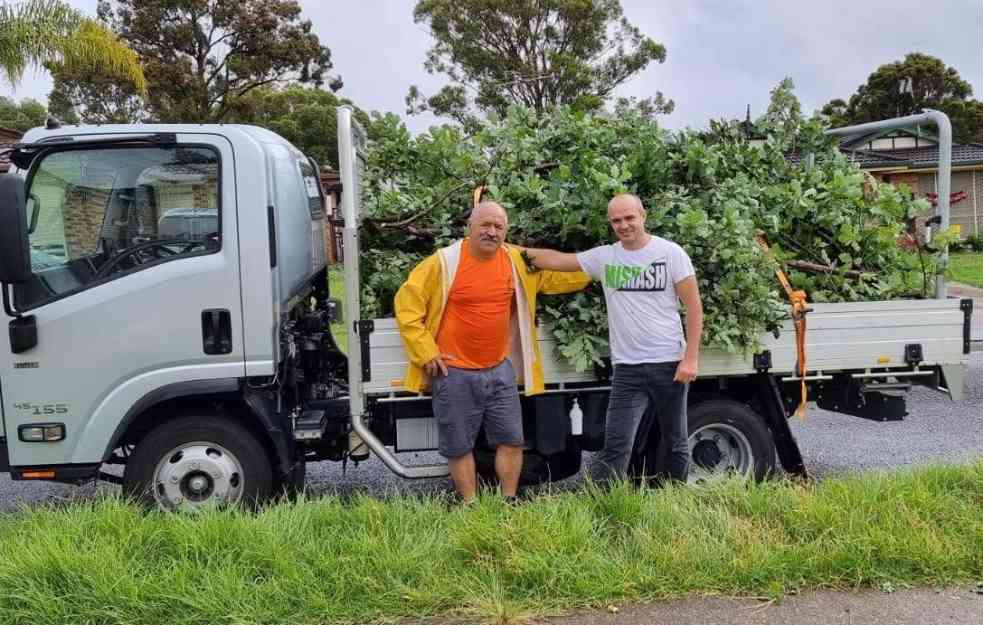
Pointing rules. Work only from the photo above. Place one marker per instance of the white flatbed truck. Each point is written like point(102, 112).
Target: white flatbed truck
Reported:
point(165, 293)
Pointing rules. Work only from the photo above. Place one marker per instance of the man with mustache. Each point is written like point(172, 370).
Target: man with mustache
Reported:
point(466, 315)
point(644, 279)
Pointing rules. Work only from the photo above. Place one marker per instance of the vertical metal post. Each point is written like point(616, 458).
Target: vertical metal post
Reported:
point(943, 177)
point(350, 137)
point(945, 184)
point(347, 165)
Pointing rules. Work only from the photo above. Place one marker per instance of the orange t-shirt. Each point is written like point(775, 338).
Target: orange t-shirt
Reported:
point(474, 330)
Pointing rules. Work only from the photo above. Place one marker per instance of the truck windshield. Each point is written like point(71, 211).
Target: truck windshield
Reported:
point(98, 213)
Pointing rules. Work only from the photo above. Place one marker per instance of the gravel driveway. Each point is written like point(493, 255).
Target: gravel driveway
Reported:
point(935, 431)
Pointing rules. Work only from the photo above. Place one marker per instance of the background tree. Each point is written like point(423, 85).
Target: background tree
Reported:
point(92, 97)
point(906, 87)
point(537, 53)
point(202, 56)
point(305, 116)
point(836, 113)
point(21, 115)
point(36, 32)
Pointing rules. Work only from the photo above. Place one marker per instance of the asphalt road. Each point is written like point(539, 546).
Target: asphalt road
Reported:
point(936, 430)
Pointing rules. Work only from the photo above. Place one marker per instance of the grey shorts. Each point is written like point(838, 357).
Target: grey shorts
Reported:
point(465, 399)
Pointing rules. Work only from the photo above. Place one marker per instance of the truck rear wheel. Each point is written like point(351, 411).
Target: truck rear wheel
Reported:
point(728, 438)
point(537, 468)
point(198, 462)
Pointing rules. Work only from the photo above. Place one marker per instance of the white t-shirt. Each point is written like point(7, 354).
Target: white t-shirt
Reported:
point(640, 291)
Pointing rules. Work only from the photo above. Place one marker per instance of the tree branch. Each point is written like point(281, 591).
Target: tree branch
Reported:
point(430, 207)
point(805, 265)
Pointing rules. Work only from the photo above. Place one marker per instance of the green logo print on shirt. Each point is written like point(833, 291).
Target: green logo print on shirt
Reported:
point(629, 278)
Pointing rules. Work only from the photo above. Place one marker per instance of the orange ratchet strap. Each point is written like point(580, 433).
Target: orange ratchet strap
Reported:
point(799, 309)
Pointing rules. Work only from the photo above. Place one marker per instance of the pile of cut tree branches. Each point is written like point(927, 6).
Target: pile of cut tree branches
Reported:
point(833, 228)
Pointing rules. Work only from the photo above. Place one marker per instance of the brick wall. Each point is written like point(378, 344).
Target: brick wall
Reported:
point(204, 195)
point(961, 213)
point(965, 213)
point(85, 209)
point(912, 180)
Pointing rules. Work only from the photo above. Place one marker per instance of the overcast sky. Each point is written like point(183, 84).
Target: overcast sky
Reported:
point(721, 55)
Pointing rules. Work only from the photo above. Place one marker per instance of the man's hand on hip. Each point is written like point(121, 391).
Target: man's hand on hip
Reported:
point(686, 371)
point(436, 365)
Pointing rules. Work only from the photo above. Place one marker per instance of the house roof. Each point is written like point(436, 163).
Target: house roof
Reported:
point(921, 157)
point(861, 138)
point(926, 157)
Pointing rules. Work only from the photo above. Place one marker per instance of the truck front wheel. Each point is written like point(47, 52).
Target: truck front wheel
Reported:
point(197, 462)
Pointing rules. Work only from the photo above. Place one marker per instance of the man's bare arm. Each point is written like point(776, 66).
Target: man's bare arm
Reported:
point(552, 260)
point(689, 293)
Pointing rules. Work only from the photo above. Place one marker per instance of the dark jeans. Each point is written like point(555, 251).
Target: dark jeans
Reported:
point(636, 389)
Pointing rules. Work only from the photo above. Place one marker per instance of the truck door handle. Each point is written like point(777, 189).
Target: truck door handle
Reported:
point(216, 331)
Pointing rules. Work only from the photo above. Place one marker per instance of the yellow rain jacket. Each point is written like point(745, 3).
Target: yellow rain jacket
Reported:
point(420, 306)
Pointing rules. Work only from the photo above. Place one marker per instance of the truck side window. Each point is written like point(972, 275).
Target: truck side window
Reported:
point(97, 214)
point(312, 185)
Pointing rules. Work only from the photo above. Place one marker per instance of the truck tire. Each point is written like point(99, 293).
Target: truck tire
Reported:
point(196, 462)
point(726, 437)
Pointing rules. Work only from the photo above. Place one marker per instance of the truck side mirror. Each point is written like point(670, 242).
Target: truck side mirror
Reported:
point(15, 253)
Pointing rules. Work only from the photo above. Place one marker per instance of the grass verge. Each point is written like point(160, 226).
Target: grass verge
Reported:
point(328, 561)
point(336, 287)
point(966, 267)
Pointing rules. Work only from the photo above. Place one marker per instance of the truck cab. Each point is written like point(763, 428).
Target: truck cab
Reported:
point(163, 266)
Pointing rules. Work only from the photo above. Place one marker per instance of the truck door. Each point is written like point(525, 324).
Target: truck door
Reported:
point(135, 288)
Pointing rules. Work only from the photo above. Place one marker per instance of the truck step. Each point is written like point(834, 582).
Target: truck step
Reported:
point(310, 425)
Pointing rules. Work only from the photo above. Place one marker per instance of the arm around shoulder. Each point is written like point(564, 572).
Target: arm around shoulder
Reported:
point(558, 282)
point(552, 260)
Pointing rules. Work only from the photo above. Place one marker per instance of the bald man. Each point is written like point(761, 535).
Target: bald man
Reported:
point(644, 279)
point(466, 316)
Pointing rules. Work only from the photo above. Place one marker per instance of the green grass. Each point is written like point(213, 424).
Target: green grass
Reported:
point(336, 287)
point(966, 267)
point(329, 561)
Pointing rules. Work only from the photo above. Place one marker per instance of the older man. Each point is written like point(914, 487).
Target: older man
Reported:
point(644, 278)
point(466, 315)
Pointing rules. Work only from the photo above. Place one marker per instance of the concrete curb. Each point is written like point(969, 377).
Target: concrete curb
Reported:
point(917, 606)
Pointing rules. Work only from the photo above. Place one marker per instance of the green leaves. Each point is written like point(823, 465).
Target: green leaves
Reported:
point(709, 192)
point(36, 32)
point(529, 52)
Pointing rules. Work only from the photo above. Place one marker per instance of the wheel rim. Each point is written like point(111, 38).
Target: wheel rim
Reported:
point(719, 450)
point(197, 475)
